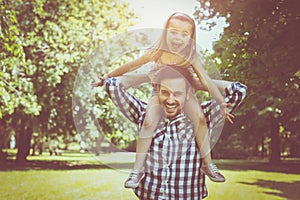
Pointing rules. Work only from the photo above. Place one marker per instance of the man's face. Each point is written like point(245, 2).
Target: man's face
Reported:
point(172, 96)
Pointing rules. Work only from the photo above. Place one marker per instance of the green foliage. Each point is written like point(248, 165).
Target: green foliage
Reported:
point(16, 88)
point(43, 44)
point(94, 113)
point(260, 48)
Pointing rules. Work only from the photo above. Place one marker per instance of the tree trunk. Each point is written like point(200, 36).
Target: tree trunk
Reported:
point(23, 144)
point(263, 147)
point(4, 142)
point(275, 142)
point(2, 154)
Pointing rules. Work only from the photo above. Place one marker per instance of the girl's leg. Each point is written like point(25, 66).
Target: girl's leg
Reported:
point(153, 115)
point(195, 113)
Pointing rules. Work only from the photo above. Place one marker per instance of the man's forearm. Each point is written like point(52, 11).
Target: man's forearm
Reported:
point(235, 94)
point(128, 104)
point(221, 85)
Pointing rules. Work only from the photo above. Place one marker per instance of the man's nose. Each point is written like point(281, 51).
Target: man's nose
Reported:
point(171, 99)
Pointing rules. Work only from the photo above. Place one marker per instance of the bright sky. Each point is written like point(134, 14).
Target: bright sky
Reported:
point(153, 14)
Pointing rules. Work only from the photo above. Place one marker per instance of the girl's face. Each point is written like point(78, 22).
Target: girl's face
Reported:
point(178, 35)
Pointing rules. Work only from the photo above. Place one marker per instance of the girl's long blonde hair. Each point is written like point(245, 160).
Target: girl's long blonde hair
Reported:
point(188, 53)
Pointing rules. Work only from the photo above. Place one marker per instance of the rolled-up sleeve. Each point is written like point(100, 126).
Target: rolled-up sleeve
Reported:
point(133, 108)
point(235, 93)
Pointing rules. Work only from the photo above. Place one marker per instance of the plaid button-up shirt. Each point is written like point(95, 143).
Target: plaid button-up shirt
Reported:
point(173, 162)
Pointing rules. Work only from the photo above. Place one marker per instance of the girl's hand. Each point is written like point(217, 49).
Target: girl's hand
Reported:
point(100, 82)
point(228, 116)
point(96, 84)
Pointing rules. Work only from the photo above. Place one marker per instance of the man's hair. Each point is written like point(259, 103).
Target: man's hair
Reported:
point(168, 72)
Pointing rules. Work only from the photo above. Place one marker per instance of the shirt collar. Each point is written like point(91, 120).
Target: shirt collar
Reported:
point(177, 118)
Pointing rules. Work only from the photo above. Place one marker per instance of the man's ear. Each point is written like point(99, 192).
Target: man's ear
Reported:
point(157, 87)
point(189, 93)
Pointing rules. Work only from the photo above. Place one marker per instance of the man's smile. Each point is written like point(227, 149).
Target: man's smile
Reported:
point(170, 106)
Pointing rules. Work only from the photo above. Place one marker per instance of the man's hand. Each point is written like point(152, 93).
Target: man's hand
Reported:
point(228, 116)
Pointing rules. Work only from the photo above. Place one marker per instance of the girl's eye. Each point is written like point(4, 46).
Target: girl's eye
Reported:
point(172, 31)
point(186, 34)
point(164, 92)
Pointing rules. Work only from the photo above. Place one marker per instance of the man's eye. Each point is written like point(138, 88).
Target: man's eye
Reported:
point(178, 94)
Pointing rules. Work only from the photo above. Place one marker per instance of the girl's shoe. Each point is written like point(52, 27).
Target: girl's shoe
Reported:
point(134, 179)
point(212, 172)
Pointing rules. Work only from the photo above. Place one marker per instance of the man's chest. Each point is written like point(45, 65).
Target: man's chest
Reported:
point(171, 142)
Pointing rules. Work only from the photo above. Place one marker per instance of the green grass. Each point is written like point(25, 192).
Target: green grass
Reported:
point(68, 184)
point(256, 185)
point(83, 176)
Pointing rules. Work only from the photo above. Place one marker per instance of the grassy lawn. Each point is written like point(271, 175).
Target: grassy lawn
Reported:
point(83, 176)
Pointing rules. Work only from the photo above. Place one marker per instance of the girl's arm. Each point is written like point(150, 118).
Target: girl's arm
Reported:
point(132, 80)
point(130, 66)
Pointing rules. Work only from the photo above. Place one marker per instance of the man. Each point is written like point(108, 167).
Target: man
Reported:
point(172, 167)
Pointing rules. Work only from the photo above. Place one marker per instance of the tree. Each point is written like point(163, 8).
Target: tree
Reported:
point(98, 117)
point(43, 43)
point(260, 47)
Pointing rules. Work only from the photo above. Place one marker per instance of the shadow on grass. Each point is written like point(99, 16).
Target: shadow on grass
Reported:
point(12, 165)
point(67, 160)
point(283, 189)
point(290, 167)
point(70, 161)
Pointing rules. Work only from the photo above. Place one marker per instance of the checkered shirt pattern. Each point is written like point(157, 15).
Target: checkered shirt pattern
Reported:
point(173, 162)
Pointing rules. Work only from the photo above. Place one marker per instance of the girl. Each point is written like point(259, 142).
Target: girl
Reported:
point(176, 48)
